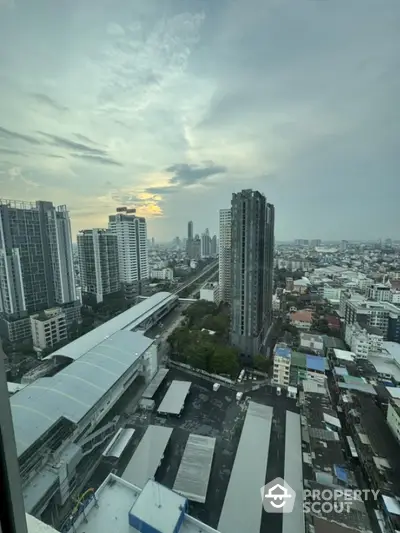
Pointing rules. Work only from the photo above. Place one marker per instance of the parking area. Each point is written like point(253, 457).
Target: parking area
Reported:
point(214, 414)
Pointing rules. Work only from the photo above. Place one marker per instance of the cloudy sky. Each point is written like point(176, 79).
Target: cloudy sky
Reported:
point(172, 105)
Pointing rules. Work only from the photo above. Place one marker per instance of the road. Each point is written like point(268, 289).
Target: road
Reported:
point(202, 273)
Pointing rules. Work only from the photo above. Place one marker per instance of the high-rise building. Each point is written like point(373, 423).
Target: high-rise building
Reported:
point(133, 261)
point(225, 227)
point(98, 264)
point(36, 265)
point(252, 269)
point(190, 231)
point(189, 242)
point(205, 244)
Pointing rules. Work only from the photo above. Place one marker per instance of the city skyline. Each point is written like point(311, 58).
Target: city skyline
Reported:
point(172, 110)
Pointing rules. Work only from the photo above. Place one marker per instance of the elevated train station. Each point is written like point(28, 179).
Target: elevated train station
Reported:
point(61, 421)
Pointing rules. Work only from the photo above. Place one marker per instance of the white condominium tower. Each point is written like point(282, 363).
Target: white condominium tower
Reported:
point(98, 264)
point(36, 265)
point(225, 230)
point(133, 262)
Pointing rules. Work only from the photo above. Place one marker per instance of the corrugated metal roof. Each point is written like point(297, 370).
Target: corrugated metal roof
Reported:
point(175, 397)
point(74, 391)
point(129, 320)
point(242, 508)
point(195, 468)
point(147, 457)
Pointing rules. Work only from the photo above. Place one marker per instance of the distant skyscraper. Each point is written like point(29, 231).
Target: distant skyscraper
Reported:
point(36, 265)
point(133, 262)
point(252, 269)
point(98, 264)
point(190, 231)
point(205, 244)
point(225, 228)
point(189, 242)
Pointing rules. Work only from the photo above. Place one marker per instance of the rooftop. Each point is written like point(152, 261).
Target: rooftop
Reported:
point(194, 470)
point(76, 389)
point(148, 455)
point(298, 359)
point(283, 351)
point(386, 366)
point(129, 320)
point(116, 499)
point(175, 397)
point(155, 383)
point(302, 316)
point(248, 473)
point(315, 362)
point(344, 355)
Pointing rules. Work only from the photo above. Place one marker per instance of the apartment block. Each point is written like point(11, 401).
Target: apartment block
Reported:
point(48, 328)
point(36, 265)
point(133, 261)
point(98, 264)
point(252, 246)
point(363, 341)
point(281, 369)
point(225, 231)
point(382, 315)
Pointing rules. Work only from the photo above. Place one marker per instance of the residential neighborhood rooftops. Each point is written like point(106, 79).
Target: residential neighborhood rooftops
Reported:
point(315, 362)
point(298, 359)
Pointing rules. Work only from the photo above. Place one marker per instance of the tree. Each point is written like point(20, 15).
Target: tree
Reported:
point(218, 323)
point(199, 350)
point(224, 360)
point(178, 339)
point(198, 310)
point(262, 363)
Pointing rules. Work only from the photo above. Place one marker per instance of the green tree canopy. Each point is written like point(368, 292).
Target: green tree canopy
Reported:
point(224, 360)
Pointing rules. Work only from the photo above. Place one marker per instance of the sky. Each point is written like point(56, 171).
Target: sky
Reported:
point(169, 106)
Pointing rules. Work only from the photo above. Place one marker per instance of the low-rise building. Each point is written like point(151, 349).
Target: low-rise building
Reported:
point(316, 367)
point(210, 292)
point(331, 293)
point(301, 285)
point(309, 341)
point(298, 368)
point(302, 319)
point(48, 328)
point(163, 273)
point(363, 341)
point(282, 357)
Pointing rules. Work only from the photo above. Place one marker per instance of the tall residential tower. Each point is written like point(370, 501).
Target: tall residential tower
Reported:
point(251, 269)
point(133, 261)
point(36, 265)
point(98, 264)
point(225, 227)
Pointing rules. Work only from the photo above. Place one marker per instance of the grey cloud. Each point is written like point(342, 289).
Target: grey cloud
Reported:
point(184, 174)
point(14, 136)
point(72, 145)
point(48, 101)
point(11, 151)
point(98, 159)
point(84, 138)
